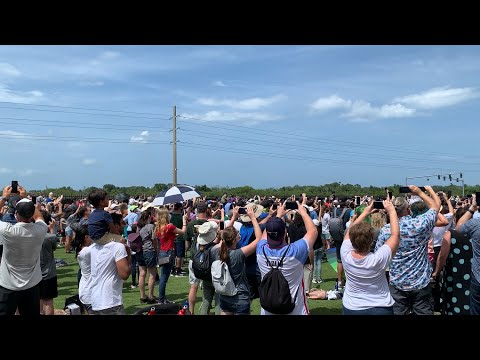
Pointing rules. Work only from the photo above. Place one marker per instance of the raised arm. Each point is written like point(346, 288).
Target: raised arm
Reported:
point(469, 214)
point(250, 248)
point(312, 232)
point(432, 201)
point(394, 239)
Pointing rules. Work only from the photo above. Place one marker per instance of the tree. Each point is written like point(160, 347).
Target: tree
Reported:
point(109, 188)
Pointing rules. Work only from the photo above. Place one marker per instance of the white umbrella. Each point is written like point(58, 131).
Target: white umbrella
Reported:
point(175, 194)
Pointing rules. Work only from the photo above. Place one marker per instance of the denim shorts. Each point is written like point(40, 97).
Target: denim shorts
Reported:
point(147, 258)
point(234, 305)
point(180, 249)
point(69, 231)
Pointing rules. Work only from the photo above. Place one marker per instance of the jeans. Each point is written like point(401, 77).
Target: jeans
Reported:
point(418, 302)
point(379, 310)
point(166, 270)
point(134, 269)
point(474, 296)
point(317, 268)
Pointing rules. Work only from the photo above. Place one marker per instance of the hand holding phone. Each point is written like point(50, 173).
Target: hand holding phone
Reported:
point(378, 205)
point(14, 187)
point(291, 205)
point(242, 211)
point(34, 200)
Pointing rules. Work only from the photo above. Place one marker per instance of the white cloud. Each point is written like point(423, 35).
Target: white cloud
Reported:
point(219, 83)
point(28, 97)
point(329, 103)
point(108, 55)
point(89, 161)
point(8, 70)
point(245, 117)
point(13, 135)
point(142, 138)
point(247, 104)
point(362, 110)
point(438, 97)
point(27, 172)
point(5, 170)
point(91, 83)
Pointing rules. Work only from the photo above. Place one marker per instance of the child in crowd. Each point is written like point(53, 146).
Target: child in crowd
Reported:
point(100, 223)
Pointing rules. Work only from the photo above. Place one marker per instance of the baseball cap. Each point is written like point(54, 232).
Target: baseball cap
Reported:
point(275, 228)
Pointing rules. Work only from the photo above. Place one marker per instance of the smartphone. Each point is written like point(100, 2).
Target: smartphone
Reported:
point(222, 225)
point(357, 200)
point(34, 200)
point(390, 195)
point(274, 206)
point(378, 205)
point(477, 196)
point(406, 189)
point(14, 186)
point(242, 211)
point(449, 193)
point(291, 205)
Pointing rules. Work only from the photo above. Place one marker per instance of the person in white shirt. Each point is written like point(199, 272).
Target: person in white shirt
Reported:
point(82, 245)
point(20, 270)
point(366, 290)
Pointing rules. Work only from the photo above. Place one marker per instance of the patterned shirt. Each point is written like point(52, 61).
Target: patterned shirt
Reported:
point(410, 268)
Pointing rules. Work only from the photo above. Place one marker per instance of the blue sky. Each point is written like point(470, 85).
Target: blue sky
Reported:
point(265, 116)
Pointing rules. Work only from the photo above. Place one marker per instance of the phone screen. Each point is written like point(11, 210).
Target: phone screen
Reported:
point(406, 189)
point(390, 195)
point(222, 225)
point(378, 205)
point(242, 211)
point(291, 205)
point(14, 186)
point(34, 199)
point(357, 200)
point(477, 196)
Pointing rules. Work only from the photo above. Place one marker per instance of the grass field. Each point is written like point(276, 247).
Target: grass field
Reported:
point(177, 289)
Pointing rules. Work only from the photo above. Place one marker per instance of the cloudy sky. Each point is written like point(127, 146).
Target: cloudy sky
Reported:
point(265, 116)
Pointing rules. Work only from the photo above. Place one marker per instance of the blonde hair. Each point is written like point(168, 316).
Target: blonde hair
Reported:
point(163, 218)
point(378, 220)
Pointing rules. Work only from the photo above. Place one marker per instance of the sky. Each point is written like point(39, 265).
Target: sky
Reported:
point(263, 116)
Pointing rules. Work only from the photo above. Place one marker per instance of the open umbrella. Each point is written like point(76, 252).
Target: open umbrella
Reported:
point(122, 197)
point(175, 194)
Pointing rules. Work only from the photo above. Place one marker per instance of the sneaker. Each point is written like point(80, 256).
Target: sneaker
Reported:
point(180, 273)
point(338, 286)
point(319, 281)
point(165, 301)
point(315, 281)
point(144, 300)
point(153, 300)
point(133, 286)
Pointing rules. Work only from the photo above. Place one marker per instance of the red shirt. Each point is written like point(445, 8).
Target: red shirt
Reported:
point(168, 238)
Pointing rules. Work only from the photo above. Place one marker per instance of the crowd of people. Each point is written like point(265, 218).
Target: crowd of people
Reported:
point(413, 254)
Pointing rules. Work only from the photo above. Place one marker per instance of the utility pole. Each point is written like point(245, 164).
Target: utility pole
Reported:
point(174, 143)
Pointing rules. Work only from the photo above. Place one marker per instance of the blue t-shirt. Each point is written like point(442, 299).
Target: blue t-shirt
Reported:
point(98, 223)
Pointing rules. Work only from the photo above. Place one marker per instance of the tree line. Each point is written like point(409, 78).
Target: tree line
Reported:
point(337, 188)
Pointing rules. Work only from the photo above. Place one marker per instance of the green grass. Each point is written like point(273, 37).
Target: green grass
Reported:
point(178, 288)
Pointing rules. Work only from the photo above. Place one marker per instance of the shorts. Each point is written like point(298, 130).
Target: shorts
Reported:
point(48, 289)
point(338, 245)
point(326, 236)
point(191, 276)
point(180, 249)
point(147, 258)
point(69, 231)
point(234, 305)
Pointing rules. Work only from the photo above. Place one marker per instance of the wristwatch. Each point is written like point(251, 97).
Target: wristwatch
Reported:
point(471, 211)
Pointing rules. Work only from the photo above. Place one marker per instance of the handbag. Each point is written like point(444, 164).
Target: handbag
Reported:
point(163, 258)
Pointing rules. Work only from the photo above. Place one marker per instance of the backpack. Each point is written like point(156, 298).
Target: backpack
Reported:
point(336, 225)
point(222, 280)
point(201, 263)
point(274, 290)
point(135, 241)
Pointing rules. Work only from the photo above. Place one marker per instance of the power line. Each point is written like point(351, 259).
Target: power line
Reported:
point(83, 108)
point(83, 139)
point(255, 153)
point(83, 113)
point(56, 124)
point(312, 147)
point(333, 142)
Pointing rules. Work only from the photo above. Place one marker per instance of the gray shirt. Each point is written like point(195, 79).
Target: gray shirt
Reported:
point(472, 229)
point(22, 244)
point(237, 270)
point(47, 259)
point(146, 234)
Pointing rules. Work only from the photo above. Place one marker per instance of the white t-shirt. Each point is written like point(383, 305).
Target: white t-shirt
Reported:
point(84, 288)
point(366, 284)
point(325, 225)
point(106, 284)
point(237, 225)
point(439, 231)
point(22, 243)
point(292, 269)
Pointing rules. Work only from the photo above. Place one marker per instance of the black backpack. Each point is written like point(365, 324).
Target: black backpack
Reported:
point(274, 291)
point(201, 263)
